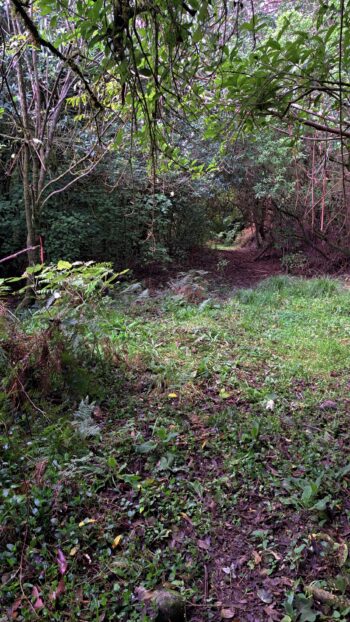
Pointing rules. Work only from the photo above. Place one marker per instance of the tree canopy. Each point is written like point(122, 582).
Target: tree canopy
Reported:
point(181, 85)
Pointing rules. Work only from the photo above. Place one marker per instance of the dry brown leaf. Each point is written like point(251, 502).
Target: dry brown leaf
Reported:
point(58, 591)
point(12, 612)
point(186, 517)
point(203, 544)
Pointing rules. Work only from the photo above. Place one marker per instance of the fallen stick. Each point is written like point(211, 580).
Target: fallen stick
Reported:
point(328, 598)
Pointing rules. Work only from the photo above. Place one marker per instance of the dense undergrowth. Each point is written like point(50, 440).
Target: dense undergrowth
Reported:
point(211, 456)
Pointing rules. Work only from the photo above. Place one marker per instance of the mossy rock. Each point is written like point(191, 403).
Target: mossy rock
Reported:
point(169, 605)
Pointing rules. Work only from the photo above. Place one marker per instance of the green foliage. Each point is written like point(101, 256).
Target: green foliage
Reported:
point(125, 228)
point(299, 607)
point(58, 344)
point(278, 288)
point(12, 226)
point(71, 286)
point(84, 423)
point(293, 262)
point(290, 54)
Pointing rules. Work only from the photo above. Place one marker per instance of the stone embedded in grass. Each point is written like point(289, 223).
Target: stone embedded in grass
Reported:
point(144, 295)
point(170, 606)
point(167, 605)
point(328, 405)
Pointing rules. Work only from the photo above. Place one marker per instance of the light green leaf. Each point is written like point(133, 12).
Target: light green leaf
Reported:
point(63, 265)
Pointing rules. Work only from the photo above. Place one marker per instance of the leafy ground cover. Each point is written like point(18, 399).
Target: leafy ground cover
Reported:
point(211, 457)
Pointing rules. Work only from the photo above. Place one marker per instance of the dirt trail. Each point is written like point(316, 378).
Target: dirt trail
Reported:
point(238, 268)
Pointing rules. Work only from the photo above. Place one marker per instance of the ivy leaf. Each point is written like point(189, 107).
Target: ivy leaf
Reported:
point(146, 448)
point(198, 35)
point(34, 269)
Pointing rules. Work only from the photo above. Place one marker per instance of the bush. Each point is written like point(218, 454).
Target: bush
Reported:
point(61, 334)
point(90, 222)
point(12, 227)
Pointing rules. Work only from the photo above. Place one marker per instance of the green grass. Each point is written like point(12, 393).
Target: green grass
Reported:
point(246, 462)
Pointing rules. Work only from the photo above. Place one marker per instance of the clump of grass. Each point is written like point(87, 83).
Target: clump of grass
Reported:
point(282, 287)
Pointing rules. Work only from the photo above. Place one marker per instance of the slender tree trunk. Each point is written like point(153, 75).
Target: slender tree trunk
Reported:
point(26, 178)
point(30, 223)
point(26, 160)
point(313, 188)
point(323, 201)
point(28, 204)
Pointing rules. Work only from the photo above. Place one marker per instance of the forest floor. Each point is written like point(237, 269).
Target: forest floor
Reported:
point(215, 461)
point(239, 268)
point(229, 268)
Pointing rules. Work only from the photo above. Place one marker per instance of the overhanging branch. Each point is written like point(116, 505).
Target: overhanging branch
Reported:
point(32, 28)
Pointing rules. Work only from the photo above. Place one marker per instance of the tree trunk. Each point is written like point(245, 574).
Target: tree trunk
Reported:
point(28, 207)
point(30, 224)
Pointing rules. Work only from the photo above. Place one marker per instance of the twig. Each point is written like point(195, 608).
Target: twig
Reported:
point(42, 412)
point(206, 582)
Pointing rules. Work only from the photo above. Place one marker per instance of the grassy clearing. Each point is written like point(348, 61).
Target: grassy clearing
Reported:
point(218, 453)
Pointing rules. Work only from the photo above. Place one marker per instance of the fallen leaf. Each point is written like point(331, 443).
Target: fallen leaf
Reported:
point(265, 596)
point(203, 544)
point(116, 541)
point(38, 604)
point(58, 591)
point(257, 557)
point(73, 551)
point(61, 561)
point(79, 595)
point(186, 517)
point(271, 613)
point(86, 521)
point(343, 554)
point(224, 394)
point(328, 405)
point(97, 412)
point(143, 594)
point(172, 395)
point(12, 612)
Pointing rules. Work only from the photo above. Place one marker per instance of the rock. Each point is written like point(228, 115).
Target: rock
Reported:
point(170, 606)
point(328, 405)
point(144, 295)
point(166, 605)
point(134, 288)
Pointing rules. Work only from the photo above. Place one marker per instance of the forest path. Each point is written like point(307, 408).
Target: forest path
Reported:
point(236, 268)
point(227, 269)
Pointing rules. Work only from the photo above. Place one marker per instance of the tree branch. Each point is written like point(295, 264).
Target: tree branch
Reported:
point(32, 28)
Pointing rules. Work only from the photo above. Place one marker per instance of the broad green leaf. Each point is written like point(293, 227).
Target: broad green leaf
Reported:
point(63, 265)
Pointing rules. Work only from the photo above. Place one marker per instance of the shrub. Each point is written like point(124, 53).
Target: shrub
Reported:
point(62, 331)
point(124, 227)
